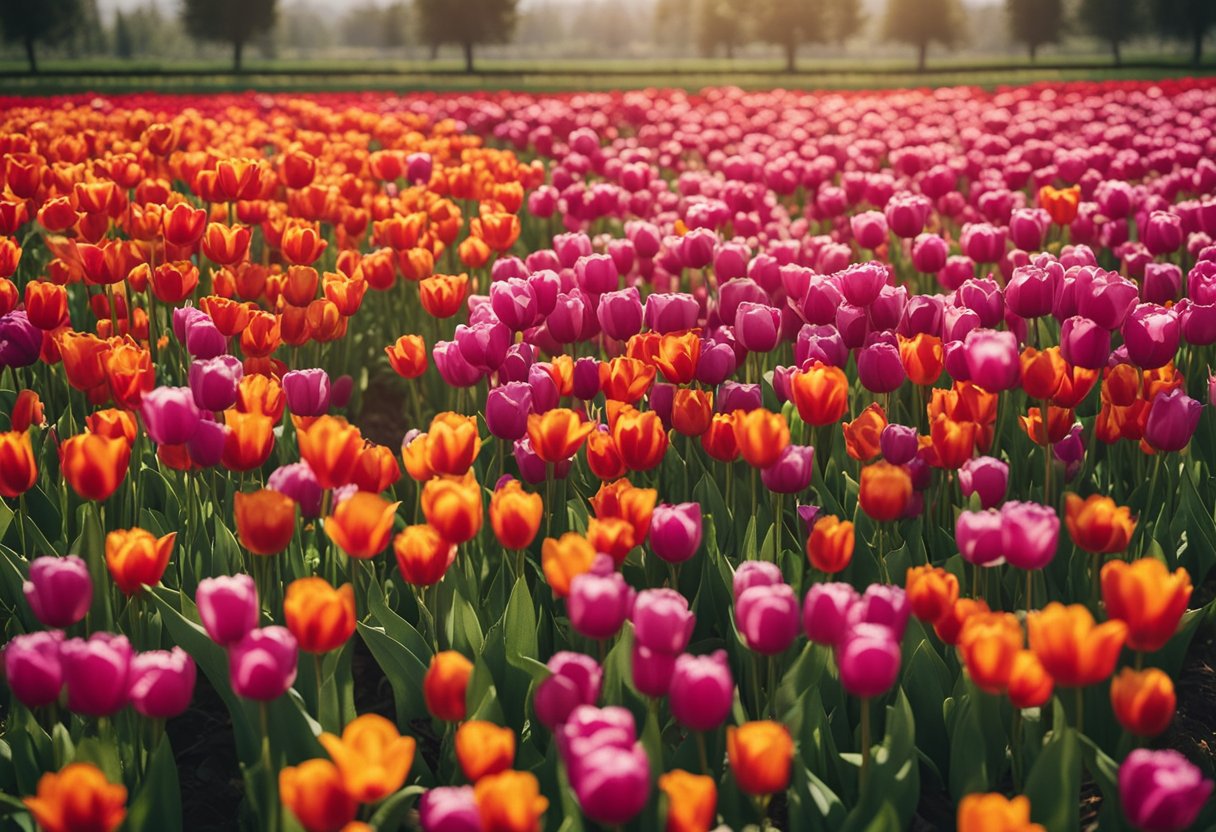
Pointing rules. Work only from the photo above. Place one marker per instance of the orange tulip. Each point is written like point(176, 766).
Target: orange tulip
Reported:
point(18, 468)
point(249, 441)
point(230, 317)
point(1059, 423)
point(316, 795)
point(83, 359)
point(719, 439)
point(407, 356)
point(1073, 649)
point(829, 547)
point(821, 394)
point(1029, 684)
point(1060, 203)
point(300, 285)
point(515, 515)
point(113, 424)
point(510, 801)
point(27, 411)
point(265, 520)
point(762, 436)
point(483, 748)
point(376, 469)
point(262, 394)
point(226, 244)
point(416, 264)
point(557, 434)
point(931, 590)
point(1147, 597)
point(612, 536)
point(644, 347)
point(264, 334)
point(414, 457)
point(640, 438)
point(995, 813)
point(1121, 385)
point(321, 617)
point(78, 798)
point(621, 499)
point(130, 374)
point(692, 411)
point(93, 465)
point(372, 756)
point(46, 304)
point(183, 225)
point(692, 801)
point(453, 507)
point(950, 625)
point(445, 684)
point(862, 434)
point(422, 555)
point(989, 642)
point(331, 446)
point(452, 443)
point(678, 356)
point(442, 294)
point(603, 458)
point(500, 230)
point(953, 442)
point(302, 244)
point(1097, 525)
point(1042, 372)
point(474, 252)
point(564, 559)
point(625, 379)
point(885, 491)
point(923, 358)
point(134, 558)
point(1075, 385)
point(760, 754)
point(1143, 701)
point(361, 524)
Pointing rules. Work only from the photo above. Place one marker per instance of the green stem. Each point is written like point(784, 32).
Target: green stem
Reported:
point(702, 753)
point(865, 744)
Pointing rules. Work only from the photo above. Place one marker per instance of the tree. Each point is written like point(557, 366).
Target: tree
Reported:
point(124, 44)
point(845, 19)
point(921, 22)
point(228, 21)
point(466, 23)
point(721, 23)
point(790, 23)
point(29, 21)
point(1113, 21)
point(1035, 23)
point(1186, 20)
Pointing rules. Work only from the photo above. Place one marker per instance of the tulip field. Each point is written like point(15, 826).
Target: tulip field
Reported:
point(651, 460)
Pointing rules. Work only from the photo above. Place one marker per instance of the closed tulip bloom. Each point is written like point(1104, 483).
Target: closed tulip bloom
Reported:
point(760, 754)
point(510, 801)
point(662, 621)
point(929, 252)
point(879, 367)
point(826, 612)
point(599, 601)
point(452, 443)
point(761, 436)
point(640, 438)
point(1073, 649)
point(979, 537)
point(931, 591)
point(720, 439)
point(28, 411)
point(1149, 598)
point(992, 357)
point(1029, 534)
point(821, 394)
point(321, 617)
point(449, 809)
point(691, 411)
point(869, 229)
point(316, 795)
point(407, 356)
point(829, 547)
point(59, 589)
point(33, 669)
point(862, 436)
point(93, 465)
point(169, 415)
point(96, 672)
point(484, 344)
point(678, 356)
point(883, 604)
point(612, 783)
point(574, 680)
point(444, 685)
point(134, 558)
point(506, 410)
point(651, 671)
point(868, 658)
point(372, 757)
point(262, 665)
point(1029, 684)
point(1162, 232)
point(620, 313)
point(1161, 791)
point(986, 477)
point(228, 607)
point(923, 357)
point(422, 555)
point(995, 813)
point(744, 398)
point(515, 515)
point(483, 748)
point(361, 524)
point(557, 434)
point(692, 801)
point(77, 799)
point(249, 440)
point(767, 618)
point(675, 531)
point(1143, 701)
point(757, 326)
point(565, 558)
point(625, 379)
point(1097, 525)
point(452, 366)
point(307, 391)
point(452, 506)
point(702, 690)
point(989, 643)
point(884, 492)
point(791, 472)
point(1162, 283)
point(1152, 334)
point(213, 382)
point(1173, 418)
point(265, 520)
point(676, 312)
point(1084, 343)
point(162, 682)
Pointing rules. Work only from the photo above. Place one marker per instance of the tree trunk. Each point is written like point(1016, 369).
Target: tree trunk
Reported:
point(468, 58)
point(1197, 47)
point(730, 50)
point(434, 52)
point(922, 52)
point(237, 48)
point(30, 56)
point(1034, 51)
point(791, 53)
point(1114, 48)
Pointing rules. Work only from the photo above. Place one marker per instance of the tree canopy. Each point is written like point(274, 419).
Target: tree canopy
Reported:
point(922, 22)
point(236, 22)
point(31, 21)
point(466, 23)
point(1035, 23)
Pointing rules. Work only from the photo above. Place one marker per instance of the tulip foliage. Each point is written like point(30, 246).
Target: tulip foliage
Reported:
point(646, 460)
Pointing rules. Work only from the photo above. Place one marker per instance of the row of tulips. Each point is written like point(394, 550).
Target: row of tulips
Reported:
point(839, 453)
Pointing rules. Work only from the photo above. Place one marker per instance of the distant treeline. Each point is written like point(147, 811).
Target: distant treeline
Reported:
point(549, 29)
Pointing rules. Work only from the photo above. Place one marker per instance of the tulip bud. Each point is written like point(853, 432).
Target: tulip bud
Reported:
point(868, 658)
point(1161, 791)
point(826, 612)
point(59, 590)
point(599, 600)
point(262, 665)
point(767, 617)
point(33, 669)
point(702, 690)
point(162, 682)
point(986, 477)
point(96, 673)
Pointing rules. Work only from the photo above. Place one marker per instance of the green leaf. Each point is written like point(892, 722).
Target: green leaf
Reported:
point(404, 670)
point(926, 683)
point(519, 630)
point(1054, 784)
point(158, 803)
point(390, 814)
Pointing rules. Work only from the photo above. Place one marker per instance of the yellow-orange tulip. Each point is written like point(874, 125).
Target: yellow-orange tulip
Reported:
point(1147, 597)
point(361, 524)
point(483, 748)
point(760, 754)
point(1097, 525)
point(1073, 649)
point(77, 798)
point(372, 757)
point(321, 617)
point(1143, 700)
point(265, 520)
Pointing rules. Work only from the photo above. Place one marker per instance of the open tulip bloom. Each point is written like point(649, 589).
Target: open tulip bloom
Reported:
point(666, 461)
